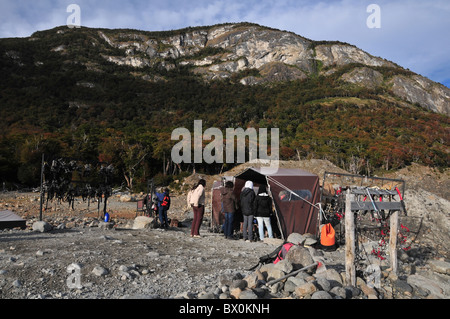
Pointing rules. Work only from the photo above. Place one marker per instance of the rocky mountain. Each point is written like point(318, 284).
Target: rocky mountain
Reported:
point(81, 91)
point(220, 51)
point(258, 54)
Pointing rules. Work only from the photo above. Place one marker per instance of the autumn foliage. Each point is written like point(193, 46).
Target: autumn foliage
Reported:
point(126, 120)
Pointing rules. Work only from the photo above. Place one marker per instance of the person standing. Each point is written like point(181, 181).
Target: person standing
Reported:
point(163, 207)
point(247, 199)
point(189, 197)
point(263, 211)
point(197, 199)
point(229, 204)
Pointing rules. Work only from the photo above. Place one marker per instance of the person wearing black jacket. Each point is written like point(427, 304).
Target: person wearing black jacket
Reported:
point(263, 211)
point(247, 199)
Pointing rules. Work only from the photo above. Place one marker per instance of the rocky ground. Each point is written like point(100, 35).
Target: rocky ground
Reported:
point(82, 257)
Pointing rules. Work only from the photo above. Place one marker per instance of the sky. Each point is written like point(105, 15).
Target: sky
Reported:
point(412, 33)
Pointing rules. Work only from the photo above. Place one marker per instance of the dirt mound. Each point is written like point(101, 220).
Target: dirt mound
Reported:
point(315, 166)
point(422, 177)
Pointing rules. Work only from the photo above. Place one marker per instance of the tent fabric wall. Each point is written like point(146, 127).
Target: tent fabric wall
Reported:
point(294, 213)
point(217, 217)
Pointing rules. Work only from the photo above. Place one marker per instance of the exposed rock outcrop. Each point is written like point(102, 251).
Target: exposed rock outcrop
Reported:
point(222, 51)
point(420, 90)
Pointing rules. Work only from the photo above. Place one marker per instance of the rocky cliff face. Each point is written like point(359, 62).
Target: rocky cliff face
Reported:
point(420, 90)
point(220, 51)
point(255, 55)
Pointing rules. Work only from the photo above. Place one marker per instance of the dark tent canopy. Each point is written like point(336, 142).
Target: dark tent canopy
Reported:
point(295, 193)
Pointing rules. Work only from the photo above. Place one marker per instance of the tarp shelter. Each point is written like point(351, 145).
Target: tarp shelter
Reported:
point(217, 215)
point(216, 210)
point(10, 220)
point(295, 193)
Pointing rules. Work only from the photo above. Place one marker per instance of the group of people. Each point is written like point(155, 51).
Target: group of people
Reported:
point(196, 199)
point(252, 205)
point(163, 205)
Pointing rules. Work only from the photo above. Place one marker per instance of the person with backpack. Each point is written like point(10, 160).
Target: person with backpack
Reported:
point(247, 200)
point(197, 200)
point(163, 207)
point(263, 211)
point(229, 206)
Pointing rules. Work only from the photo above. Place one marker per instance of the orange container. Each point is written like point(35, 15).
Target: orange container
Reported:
point(327, 236)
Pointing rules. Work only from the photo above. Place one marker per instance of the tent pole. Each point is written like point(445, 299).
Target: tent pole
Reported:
point(42, 188)
point(275, 209)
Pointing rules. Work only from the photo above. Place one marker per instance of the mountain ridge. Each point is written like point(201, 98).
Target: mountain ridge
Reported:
point(91, 91)
point(274, 55)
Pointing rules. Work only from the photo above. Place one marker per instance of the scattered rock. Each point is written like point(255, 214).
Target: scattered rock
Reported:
point(126, 198)
point(305, 289)
point(271, 272)
point(296, 239)
point(321, 295)
point(100, 271)
point(432, 287)
point(248, 294)
point(122, 262)
point(440, 266)
point(105, 225)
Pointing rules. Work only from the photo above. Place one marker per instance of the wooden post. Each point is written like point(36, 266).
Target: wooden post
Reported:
point(350, 270)
point(393, 241)
point(41, 201)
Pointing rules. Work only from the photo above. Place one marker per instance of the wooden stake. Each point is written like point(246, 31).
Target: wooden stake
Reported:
point(350, 270)
point(42, 188)
point(393, 241)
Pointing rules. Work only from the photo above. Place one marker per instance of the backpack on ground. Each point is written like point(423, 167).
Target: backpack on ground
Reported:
point(283, 252)
point(274, 257)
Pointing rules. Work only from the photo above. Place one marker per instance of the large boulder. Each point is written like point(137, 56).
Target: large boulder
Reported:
point(271, 272)
point(126, 198)
point(307, 288)
point(42, 226)
point(296, 239)
point(299, 257)
point(143, 222)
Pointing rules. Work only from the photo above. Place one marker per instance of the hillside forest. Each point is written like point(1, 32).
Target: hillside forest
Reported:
point(65, 108)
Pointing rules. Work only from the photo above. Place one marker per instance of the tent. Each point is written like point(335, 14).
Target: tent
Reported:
point(218, 217)
point(10, 220)
point(295, 194)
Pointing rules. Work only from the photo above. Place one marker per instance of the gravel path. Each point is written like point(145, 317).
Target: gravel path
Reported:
point(93, 262)
point(82, 259)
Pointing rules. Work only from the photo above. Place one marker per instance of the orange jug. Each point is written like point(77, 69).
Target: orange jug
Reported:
point(327, 236)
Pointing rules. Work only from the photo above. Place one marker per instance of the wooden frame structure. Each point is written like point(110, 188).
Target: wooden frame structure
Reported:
point(353, 206)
